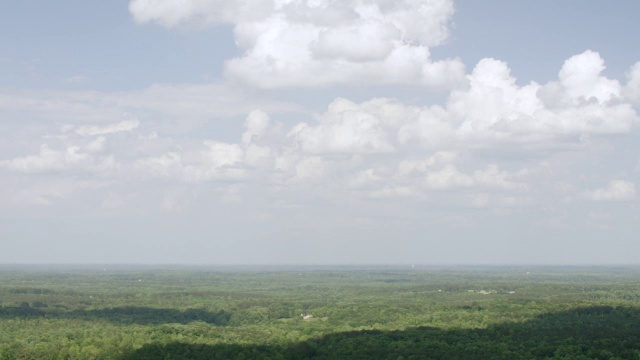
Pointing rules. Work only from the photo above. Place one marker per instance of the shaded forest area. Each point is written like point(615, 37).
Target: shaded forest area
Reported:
point(319, 313)
point(584, 333)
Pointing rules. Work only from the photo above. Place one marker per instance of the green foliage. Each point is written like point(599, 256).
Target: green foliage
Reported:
point(365, 313)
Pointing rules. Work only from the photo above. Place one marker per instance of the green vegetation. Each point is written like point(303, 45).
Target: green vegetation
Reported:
point(356, 313)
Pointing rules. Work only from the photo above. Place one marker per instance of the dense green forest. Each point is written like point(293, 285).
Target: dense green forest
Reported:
point(111, 312)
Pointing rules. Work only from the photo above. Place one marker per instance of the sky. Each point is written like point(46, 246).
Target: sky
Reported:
point(427, 132)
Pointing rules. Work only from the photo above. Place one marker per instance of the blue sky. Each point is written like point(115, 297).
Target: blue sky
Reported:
point(536, 37)
point(319, 132)
point(59, 42)
point(48, 44)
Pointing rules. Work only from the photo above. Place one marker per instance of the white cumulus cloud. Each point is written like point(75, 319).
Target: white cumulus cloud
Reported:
point(345, 128)
point(314, 43)
point(582, 79)
point(376, 149)
point(581, 102)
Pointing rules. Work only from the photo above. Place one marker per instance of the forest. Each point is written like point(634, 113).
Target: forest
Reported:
point(319, 312)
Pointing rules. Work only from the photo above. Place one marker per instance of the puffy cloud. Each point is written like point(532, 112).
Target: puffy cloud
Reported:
point(439, 172)
point(376, 149)
point(423, 21)
point(289, 43)
point(256, 125)
point(309, 168)
point(221, 154)
point(345, 128)
point(71, 157)
point(48, 159)
point(367, 42)
point(293, 64)
point(166, 165)
point(413, 167)
point(582, 101)
point(493, 101)
point(213, 161)
point(83, 150)
point(494, 111)
point(616, 190)
point(258, 156)
point(581, 77)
